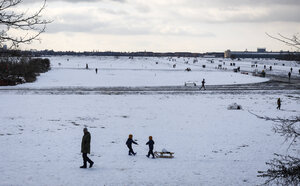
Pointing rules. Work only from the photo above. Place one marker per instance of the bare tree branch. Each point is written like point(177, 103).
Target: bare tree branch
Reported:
point(290, 41)
point(32, 25)
point(284, 170)
point(286, 127)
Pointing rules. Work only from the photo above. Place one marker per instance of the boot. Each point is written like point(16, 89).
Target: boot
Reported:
point(83, 167)
point(91, 164)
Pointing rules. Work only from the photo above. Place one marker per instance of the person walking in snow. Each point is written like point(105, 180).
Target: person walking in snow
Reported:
point(289, 74)
point(203, 84)
point(96, 70)
point(278, 103)
point(129, 143)
point(85, 148)
point(151, 144)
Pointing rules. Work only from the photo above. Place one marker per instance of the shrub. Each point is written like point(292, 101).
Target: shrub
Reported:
point(14, 71)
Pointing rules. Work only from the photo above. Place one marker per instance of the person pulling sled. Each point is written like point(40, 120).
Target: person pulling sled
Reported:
point(151, 144)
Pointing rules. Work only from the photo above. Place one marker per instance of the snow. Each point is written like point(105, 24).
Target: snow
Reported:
point(41, 134)
point(137, 72)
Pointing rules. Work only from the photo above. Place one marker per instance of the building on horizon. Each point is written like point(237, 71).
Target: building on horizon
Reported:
point(261, 50)
point(227, 54)
point(261, 53)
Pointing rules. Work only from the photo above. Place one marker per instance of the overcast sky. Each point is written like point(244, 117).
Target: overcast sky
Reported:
point(166, 25)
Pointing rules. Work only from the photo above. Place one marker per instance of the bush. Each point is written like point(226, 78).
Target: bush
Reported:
point(14, 71)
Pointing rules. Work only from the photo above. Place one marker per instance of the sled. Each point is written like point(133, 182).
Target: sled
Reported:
point(190, 84)
point(164, 154)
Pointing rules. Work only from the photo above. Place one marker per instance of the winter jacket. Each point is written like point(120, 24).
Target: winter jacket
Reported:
point(85, 143)
point(129, 142)
point(151, 144)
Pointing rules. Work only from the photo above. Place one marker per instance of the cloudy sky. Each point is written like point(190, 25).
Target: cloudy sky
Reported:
point(166, 25)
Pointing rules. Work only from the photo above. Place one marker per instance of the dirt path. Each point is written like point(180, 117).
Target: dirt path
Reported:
point(276, 84)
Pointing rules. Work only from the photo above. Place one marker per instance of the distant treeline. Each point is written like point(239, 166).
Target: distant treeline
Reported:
point(290, 57)
point(14, 70)
point(295, 56)
point(128, 54)
point(107, 53)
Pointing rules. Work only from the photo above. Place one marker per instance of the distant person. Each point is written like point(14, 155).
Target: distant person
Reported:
point(151, 144)
point(270, 68)
point(203, 84)
point(129, 143)
point(86, 66)
point(85, 148)
point(291, 69)
point(299, 71)
point(263, 73)
point(96, 70)
point(278, 103)
point(289, 74)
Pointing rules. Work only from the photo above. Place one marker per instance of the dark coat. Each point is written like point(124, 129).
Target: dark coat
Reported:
point(278, 102)
point(86, 143)
point(129, 143)
point(151, 144)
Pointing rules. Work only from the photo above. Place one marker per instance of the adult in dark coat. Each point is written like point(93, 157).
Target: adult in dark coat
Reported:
point(85, 148)
point(203, 84)
point(129, 143)
point(278, 103)
point(151, 144)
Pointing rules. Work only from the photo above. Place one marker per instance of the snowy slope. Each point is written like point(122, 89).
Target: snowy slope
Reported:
point(137, 72)
point(40, 135)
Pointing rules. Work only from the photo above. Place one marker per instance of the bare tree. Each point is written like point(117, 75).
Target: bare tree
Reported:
point(293, 41)
point(286, 127)
point(31, 26)
point(284, 170)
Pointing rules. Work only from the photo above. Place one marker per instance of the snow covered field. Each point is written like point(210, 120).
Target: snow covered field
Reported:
point(41, 134)
point(137, 72)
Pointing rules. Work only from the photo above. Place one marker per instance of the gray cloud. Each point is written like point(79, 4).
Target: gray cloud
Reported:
point(237, 3)
point(111, 29)
point(72, 1)
point(113, 12)
point(190, 22)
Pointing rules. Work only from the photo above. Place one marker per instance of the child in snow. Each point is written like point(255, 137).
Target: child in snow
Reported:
point(129, 145)
point(151, 144)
